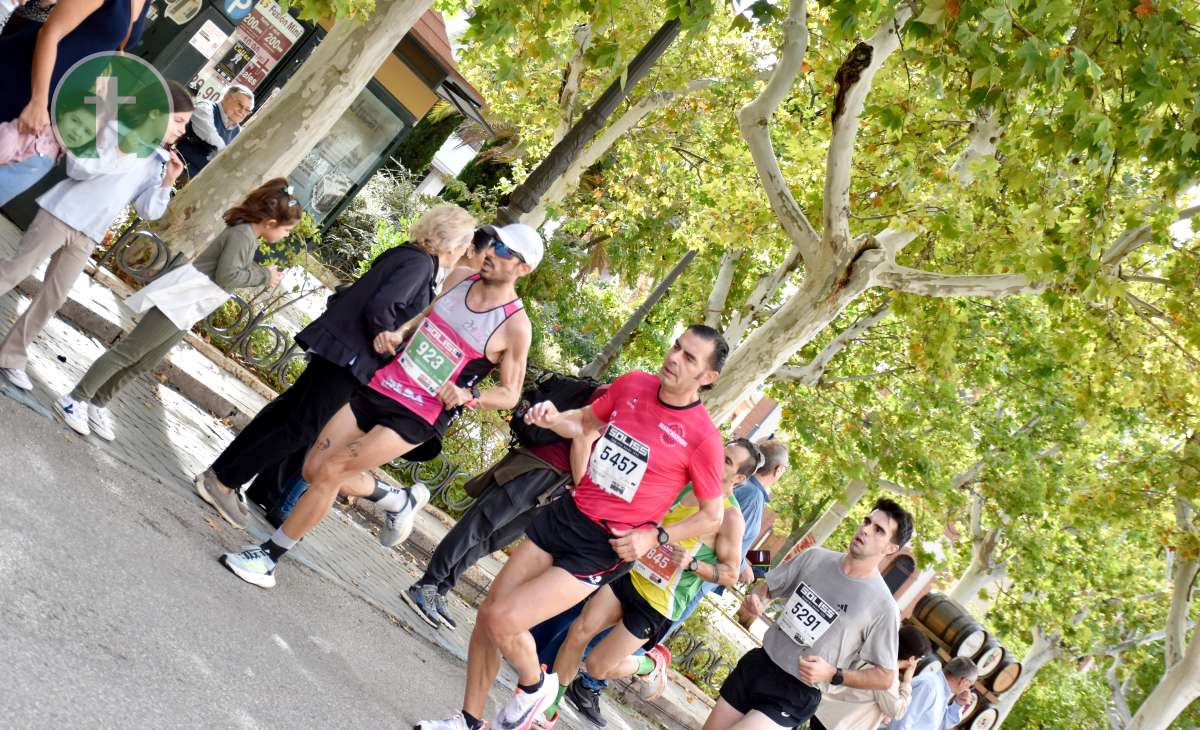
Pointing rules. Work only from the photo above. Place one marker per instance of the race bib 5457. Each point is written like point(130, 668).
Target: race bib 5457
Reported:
point(618, 463)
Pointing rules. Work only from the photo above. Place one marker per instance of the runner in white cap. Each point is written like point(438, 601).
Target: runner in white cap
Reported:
point(477, 325)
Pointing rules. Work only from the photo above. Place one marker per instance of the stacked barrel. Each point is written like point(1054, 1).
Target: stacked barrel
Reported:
point(953, 633)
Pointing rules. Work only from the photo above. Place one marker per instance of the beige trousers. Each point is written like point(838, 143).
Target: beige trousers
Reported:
point(68, 250)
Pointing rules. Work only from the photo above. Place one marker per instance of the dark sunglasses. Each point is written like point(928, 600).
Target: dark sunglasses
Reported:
point(504, 251)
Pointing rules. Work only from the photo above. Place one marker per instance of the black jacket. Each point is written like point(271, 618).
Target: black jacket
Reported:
point(399, 284)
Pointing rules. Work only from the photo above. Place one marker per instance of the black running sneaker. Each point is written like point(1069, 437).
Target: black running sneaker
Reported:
point(421, 597)
point(587, 701)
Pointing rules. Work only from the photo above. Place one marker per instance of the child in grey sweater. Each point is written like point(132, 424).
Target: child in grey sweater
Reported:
point(179, 299)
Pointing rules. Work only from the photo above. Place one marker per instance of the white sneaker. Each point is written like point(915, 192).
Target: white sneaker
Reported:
point(252, 565)
point(523, 709)
point(18, 377)
point(397, 526)
point(100, 419)
point(75, 413)
point(454, 722)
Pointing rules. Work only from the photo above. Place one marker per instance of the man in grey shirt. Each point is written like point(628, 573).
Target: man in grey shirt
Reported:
point(838, 613)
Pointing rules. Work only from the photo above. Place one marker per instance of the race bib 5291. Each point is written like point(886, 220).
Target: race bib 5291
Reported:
point(807, 616)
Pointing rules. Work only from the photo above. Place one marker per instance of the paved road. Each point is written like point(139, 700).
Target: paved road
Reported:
point(115, 612)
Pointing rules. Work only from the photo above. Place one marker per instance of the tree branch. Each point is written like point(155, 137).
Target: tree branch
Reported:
point(1134, 238)
point(981, 142)
point(811, 373)
point(568, 96)
point(569, 180)
point(1183, 576)
point(1119, 715)
point(754, 120)
point(720, 292)
point(853, 78)
point(933, 284)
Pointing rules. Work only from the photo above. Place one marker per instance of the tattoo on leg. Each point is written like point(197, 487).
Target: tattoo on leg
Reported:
point(324, 445)
point(354, 447)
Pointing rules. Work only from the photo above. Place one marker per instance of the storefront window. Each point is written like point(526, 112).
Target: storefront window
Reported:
point(346, 155)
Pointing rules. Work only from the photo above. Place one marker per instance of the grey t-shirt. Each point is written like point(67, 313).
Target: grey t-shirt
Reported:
point(843, 620)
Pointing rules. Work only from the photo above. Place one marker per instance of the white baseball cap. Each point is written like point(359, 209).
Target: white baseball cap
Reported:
point(520, 238)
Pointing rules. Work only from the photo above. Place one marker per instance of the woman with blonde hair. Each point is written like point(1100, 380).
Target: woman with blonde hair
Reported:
point(344, 352)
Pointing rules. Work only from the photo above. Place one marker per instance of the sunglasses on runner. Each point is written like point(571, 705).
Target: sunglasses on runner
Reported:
point(504, 251)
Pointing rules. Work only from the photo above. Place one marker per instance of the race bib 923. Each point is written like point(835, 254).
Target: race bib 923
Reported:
point(431, 358)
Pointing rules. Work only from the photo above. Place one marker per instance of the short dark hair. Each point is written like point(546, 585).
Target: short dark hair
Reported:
point(181, 98)
point(913, 642)
point(720, 347)
point(904, 520)
point(756, 458)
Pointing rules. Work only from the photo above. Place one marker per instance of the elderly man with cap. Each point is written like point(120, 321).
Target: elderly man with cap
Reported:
point(213, 126)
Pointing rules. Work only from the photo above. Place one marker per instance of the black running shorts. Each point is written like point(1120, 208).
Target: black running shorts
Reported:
point(757, 683)
point(372, 408)
point(577, 545)
point(639, 617)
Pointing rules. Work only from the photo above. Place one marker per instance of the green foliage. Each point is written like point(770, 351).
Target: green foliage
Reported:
point(416, 151)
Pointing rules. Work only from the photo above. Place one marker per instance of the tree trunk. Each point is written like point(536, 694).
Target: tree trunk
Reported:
point(980, 574)
point(828, 522)
point(525, 196)
point(1042, 651)
point(819, 301)
point(1177, 689)
point(291, 125)
point(596, 367)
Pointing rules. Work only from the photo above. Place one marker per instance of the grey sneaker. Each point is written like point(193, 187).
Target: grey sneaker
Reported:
point(397, 526)
point(225, 501)
point(252, 565)
point(422, 599)
point(443, 611)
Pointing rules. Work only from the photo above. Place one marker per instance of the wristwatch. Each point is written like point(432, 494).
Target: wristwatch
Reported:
point(663, 537)
point(837, 677)
point(474, 402)
point(693, 566)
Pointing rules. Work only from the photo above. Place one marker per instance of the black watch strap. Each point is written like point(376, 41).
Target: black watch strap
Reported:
point(663, 536)
point(838, 678)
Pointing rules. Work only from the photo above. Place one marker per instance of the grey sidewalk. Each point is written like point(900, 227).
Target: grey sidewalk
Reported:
point(167, 436)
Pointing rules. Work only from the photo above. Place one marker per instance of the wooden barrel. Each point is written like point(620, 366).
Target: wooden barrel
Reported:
point(950, 624)
point(989, 658)
point(928, 663)
point(969, 710)
point(985, 717)
point(1008, 671)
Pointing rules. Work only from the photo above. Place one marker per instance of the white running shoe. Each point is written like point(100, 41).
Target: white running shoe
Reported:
point(18, 377)
point(252, 565)
point(397, 526)
point(524, 708)
point(101, 421)
point(75, 413)
point(454, 722)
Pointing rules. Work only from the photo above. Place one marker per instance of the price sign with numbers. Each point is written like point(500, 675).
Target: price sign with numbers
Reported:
point(618, 463)
point(656, 566)
point(807, 616)
point(431, 358)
